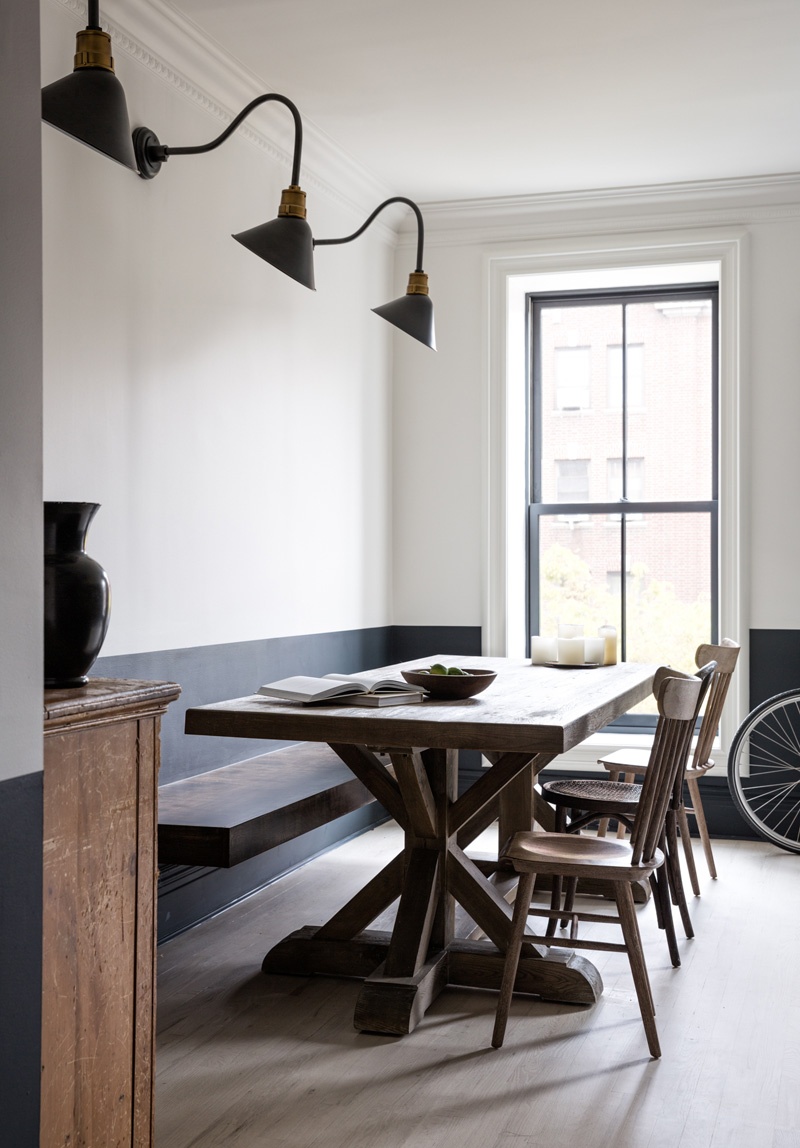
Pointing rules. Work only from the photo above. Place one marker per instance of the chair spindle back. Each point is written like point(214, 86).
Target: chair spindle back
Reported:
point(679, 697)
point(725, 655)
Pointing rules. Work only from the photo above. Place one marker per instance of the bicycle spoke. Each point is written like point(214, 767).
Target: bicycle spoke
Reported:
point(764, 770)
point(791, 735)
point(762, 747)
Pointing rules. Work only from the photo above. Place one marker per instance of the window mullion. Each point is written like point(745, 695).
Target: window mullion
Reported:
point(624, 357)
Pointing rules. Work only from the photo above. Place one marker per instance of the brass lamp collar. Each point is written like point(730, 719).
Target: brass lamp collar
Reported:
point(293, 202)
point(93, 50)
point(417, 283)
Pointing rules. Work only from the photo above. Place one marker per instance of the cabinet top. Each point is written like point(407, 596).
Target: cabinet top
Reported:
point(104, 698)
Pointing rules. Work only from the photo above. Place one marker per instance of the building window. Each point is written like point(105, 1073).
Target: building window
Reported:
point(572, 480)
point(572, 484)
point(614, 582)
point(633, 378)
point(572, 378)
point(656, 515)
point(625, 482)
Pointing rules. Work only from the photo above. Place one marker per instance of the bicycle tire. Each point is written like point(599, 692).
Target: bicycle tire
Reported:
point(764, 770)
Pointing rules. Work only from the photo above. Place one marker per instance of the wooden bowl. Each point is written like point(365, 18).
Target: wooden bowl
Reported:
point(453, 686)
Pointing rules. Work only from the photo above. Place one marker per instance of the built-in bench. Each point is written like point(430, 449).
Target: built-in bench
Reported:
point(231, 814)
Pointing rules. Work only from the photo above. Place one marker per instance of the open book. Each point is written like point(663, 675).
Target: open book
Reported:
point(361, 690)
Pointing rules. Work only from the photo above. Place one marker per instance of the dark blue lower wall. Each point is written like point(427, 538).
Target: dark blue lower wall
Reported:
point(210, 673)
point(774, 663)
point(20, 958)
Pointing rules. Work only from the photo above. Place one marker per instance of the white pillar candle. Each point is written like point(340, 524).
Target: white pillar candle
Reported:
point(595, 650)
point(609, 636)
point(543, 650)
point(571, 651)
point(569, 630)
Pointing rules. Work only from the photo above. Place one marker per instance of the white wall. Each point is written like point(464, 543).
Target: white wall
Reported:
point(234, 426)
point(774, 423)
point(442, 410)
point(438, 449)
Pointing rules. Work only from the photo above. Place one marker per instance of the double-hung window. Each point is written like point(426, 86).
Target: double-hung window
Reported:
point(623, 513)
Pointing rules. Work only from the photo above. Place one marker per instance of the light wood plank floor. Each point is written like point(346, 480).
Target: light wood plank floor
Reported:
point(250, 1061)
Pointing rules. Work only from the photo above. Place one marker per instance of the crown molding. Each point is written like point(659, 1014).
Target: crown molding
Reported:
point(710, 203)
point(157, 37)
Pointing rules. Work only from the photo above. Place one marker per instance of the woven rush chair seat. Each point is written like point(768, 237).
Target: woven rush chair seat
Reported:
point(593, 794)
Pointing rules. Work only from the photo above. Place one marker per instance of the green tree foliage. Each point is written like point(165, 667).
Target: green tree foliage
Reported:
point(661, 628)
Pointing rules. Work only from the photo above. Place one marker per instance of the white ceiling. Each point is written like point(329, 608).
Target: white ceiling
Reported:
point(459, 99)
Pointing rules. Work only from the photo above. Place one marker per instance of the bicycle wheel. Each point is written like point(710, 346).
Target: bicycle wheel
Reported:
point(764, 770)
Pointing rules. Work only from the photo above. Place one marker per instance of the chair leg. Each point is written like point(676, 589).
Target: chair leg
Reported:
point(521, 906)
point(688, 852)
point(656, 900)
point(702, 828)
point(602, 825)
point(555, 904)
point(674, 872)
point(660, 885)
point(633, 944)
point(622, 829)
point(570, 885)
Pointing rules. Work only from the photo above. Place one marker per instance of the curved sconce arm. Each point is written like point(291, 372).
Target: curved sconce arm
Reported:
point(90, 106)
point(394, 199)
point(151, 153)
point(412, 312)
point(284, 242)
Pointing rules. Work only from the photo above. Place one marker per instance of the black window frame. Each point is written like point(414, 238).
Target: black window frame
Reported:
point(535, 303)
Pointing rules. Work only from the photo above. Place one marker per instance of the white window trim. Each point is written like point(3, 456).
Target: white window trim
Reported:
point(626, 260)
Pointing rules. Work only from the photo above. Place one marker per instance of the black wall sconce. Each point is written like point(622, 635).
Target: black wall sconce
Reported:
point(412, 312)
point(90, 106)
point(284, 242)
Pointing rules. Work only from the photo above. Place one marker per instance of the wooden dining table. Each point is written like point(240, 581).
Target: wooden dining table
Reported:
point(453, 914)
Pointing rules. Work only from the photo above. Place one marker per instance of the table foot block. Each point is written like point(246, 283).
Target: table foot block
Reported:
point(302, 954)
point(562, 976)
point(396, 1005)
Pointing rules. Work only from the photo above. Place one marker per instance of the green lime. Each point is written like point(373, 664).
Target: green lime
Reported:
point(438, 668)
point(456, 672)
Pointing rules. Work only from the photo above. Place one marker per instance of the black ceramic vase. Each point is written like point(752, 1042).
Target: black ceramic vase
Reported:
point(76, 595)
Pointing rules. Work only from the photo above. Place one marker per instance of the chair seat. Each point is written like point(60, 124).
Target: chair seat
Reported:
point(636, 761)
point(593, 793)
point(571, 855)
point(626, 760)
point(695, 771)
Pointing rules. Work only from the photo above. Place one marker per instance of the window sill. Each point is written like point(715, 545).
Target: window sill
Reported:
point(585, 755)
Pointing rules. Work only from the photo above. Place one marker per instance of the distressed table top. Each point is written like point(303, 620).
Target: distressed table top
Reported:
point(526, 708)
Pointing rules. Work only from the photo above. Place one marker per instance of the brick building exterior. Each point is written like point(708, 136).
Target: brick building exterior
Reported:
point(670, 411)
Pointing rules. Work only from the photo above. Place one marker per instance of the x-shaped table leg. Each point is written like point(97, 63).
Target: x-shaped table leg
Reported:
point(422, 955)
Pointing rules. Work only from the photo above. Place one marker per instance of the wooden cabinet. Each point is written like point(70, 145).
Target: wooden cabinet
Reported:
point(101, 758)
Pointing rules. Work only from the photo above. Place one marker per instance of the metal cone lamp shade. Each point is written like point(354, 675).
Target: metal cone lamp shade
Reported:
point(286, 242)
point(89, 104)
point(411, 313)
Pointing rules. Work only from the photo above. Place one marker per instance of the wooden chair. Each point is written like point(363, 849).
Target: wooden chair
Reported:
point(620, 863)
point(627, 764)
point(589, 799)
